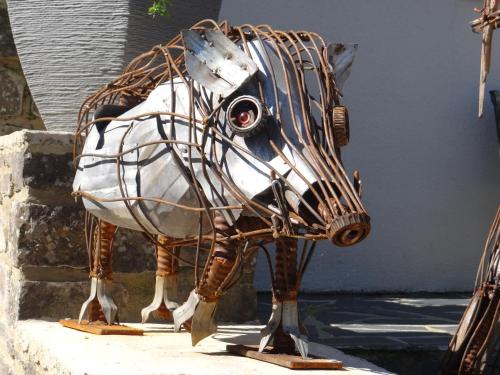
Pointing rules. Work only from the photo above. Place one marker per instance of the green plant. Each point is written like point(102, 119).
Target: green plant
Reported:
point(160, 8)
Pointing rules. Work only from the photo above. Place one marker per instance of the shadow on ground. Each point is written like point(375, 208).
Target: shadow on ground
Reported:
point(406, 334)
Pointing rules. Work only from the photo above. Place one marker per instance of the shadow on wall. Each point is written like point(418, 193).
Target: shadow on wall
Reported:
point(17, 108)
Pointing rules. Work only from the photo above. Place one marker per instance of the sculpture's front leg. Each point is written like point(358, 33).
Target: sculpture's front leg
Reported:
point(100, 304)
point(202, 302)
point(284, 325)
point(166, 275)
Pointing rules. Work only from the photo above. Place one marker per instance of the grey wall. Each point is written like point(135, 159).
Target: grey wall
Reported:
point(430, 168)
point(70, 48)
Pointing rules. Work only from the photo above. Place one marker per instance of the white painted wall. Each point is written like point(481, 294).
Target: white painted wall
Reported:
point(430, 168)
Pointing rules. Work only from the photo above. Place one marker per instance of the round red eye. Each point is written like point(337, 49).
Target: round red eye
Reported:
point(244, 118)
point(245, 115)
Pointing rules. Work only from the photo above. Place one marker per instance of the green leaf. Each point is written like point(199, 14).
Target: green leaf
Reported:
point(160, 8)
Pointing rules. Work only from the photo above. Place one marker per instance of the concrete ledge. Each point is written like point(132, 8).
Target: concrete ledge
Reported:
point(47, 348)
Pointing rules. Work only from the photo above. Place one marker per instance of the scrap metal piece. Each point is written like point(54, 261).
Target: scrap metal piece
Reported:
point(105, 299)
point(100, 289)
point(186, 311)
point(215, 62)
point(92, 296)
point(290, 324)
point(340, 58)
point(161, 296)
point(204, 323)
point(487, 22)
point(285, 313)
point(272, 325)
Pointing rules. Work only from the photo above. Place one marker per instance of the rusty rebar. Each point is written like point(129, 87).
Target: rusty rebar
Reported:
point(102, 267)
point(167, 265)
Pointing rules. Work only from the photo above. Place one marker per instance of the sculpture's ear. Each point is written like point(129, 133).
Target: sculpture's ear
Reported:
point(215, 62)
point(340, 58)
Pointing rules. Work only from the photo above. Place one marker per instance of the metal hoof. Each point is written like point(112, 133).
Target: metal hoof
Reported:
point(92, 296)
point(186, 311)
point(100, 289)
point(274, 321)
point(161, 296)
point(203, 324)
point(286, 314)
point(290, 324)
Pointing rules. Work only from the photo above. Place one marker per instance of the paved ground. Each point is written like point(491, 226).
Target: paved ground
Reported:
point(406, 335)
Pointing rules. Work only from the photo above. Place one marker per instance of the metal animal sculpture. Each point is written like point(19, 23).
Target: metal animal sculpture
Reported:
point(224, 139)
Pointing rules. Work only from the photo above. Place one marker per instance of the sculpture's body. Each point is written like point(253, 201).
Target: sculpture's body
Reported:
point(234, 141)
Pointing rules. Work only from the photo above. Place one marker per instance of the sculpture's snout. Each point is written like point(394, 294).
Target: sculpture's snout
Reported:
point(349, 229)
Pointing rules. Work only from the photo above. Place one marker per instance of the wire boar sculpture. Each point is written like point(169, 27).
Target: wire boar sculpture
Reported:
point(226, 139)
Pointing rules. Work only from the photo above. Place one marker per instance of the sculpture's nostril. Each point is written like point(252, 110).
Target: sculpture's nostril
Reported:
point(352, 234)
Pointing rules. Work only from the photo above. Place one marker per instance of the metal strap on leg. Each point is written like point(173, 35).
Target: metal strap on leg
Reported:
point(161, 297)
point(166, 274)
point(100, 253)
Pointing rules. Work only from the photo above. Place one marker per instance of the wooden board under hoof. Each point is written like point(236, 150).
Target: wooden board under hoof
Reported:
point(101, 329)
point(294, 362)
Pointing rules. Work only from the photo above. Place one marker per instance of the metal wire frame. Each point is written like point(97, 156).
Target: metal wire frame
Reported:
point(483, 338)
point(488, 270)
point(477, 329)
point(304, 64)
point(488, 21)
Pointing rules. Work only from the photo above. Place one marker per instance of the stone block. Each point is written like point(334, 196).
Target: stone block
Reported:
point(47, 171)
point(10, 291)
point(44, 235)
point(6, 187)
point(37, 161)
point(47, 235)
point(133, 252)
point(11, 95)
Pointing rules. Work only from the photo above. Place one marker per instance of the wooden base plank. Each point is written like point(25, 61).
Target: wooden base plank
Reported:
point(101, 329)
point(294, 362)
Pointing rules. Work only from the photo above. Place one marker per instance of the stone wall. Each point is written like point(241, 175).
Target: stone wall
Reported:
point(17, 108)
point(43, 261)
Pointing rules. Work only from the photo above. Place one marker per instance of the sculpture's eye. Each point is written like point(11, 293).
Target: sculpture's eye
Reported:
point(246, 115)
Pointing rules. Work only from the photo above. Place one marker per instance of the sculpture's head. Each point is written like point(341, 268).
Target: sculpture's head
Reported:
point(263, 108)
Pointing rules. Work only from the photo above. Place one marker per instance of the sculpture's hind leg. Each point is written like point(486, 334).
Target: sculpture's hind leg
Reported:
point(202, 302)
point(100, 304)
point(284, 325)
point(165, 292)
